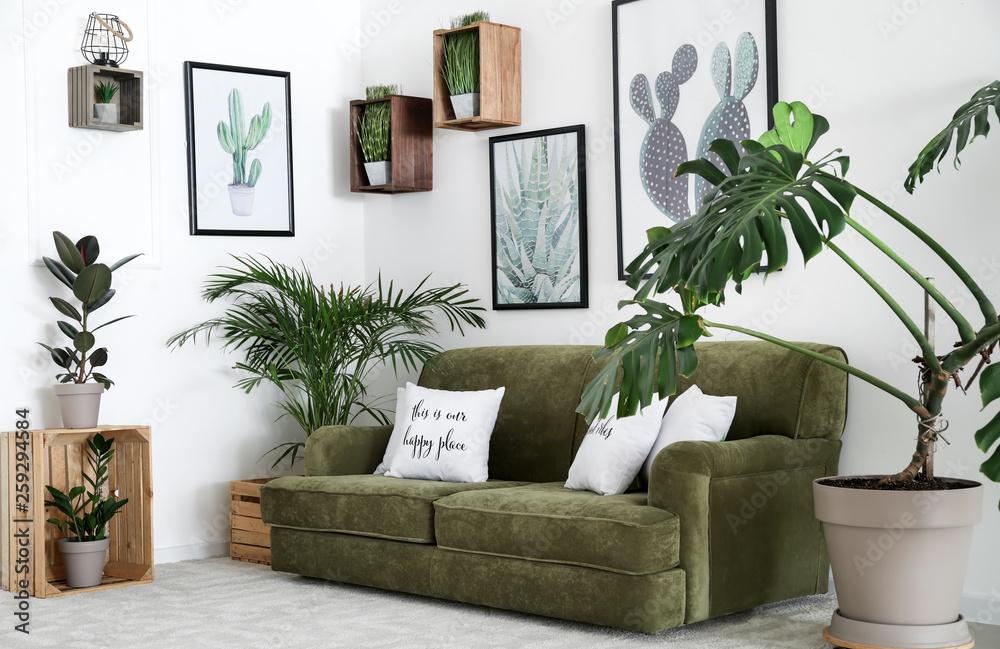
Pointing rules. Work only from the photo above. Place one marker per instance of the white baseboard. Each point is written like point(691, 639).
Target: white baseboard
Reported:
point(188, 552)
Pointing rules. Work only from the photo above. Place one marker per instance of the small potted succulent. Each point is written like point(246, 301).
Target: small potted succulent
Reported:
point(104, 111)
point(237, 140)
point(80, 384)
point(460, 65)
point(87, 514)
point(374, 130)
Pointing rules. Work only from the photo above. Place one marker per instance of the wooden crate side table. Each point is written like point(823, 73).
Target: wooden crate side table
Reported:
point(58, 457)
point(249, 538)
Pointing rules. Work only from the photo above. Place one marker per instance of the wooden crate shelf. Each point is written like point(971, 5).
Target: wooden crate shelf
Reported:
point(249, 538)
point(411, 146)
point(58, 457)
point(499, 79)
point(80, 82)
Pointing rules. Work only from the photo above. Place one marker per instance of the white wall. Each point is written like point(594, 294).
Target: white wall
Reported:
point(888, 75)
point(205, 432)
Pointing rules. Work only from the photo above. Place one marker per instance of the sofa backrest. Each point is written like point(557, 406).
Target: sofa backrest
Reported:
point(538, 431)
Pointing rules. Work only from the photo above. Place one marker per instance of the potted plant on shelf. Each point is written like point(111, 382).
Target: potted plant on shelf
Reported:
point(374, 130)
point(86, 517)
point(909, 597)
point(460, 65)
point(321, 346)
point(90, 282)
point(104, 110)
point(237, 140)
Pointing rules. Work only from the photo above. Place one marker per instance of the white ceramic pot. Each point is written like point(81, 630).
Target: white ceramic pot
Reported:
point(106, 113)
point(79, 403)
point(899, 560)
point(379, 173)
point(84, 561)
point(241, 199)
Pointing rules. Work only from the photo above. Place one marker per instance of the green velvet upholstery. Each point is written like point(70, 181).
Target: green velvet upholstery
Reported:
point(369, 505)
point(547, 522)
point(723, 527)
point(748, 534)
point(647, 603)
point(346, 450)
point(533, 436)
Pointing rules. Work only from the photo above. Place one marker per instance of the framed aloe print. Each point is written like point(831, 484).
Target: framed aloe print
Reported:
point(239, 140)
point(686, 72)
point(539, 215)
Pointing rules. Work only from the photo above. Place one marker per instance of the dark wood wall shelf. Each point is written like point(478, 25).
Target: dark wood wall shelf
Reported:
point(80, 82)
point(411, 146)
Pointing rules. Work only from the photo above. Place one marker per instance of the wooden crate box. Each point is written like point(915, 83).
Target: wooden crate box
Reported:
point(499, 79)
point(411, 146)
point(249, 538)
point(80, 93)
point(59, 457)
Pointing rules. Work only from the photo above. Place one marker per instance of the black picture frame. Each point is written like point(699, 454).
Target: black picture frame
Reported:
point(635, 211)
point(566, 286)
point(214, 208)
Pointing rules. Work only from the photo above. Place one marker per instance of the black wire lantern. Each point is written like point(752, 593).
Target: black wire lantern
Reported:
point(104, 40)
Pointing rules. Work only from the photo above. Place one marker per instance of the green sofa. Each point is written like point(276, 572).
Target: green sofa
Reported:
point(723, 527)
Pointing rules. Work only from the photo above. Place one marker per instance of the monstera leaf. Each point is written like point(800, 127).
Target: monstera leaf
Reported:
point(988, 435)
point(970, 119)
point(742, 219)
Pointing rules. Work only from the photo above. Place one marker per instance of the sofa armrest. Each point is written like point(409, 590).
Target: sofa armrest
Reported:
point(346, 450)
point(748, 532)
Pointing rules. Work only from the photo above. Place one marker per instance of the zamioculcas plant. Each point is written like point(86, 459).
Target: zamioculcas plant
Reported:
point(776, 182)
point(320, 347)
point(86, 513)
point(538, 222)
point(105, 91)
point(237, 140)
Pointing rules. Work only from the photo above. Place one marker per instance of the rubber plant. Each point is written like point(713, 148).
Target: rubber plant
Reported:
point(779, 182)
point(321, 346)
point(90, 283)
point(86, 512)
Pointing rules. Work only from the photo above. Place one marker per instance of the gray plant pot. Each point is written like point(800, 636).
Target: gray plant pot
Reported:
point(84, 561)
point(899, 561)
point(379, 173)
point(79, 403)
point(241, 199)
point(106, 113)
point(466, 105)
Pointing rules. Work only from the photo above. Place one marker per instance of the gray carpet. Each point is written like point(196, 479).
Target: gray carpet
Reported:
point(214, 603)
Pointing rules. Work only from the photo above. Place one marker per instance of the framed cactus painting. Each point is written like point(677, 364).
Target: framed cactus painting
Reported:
point(239, 143)
point(539, 215)
point(686, 72)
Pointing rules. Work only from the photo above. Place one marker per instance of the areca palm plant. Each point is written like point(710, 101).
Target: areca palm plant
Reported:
point(322, 346)
point(779, 182)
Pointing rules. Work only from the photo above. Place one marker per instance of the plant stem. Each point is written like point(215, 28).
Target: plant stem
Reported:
point(925, 347)
point(912, 403)
point(965, 330)
point(988, 310)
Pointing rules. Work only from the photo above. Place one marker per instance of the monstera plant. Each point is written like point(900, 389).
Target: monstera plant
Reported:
point(537, 225)
point(779, 181)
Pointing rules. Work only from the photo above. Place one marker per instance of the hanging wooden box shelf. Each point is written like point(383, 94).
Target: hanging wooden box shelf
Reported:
point(81, 82)
point(58, 457)
point(411, 146)
point(499, 79)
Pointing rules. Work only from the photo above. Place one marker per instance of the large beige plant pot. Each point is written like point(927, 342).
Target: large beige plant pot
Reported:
point(84, 561)
point(899, 561)
point(79, 403)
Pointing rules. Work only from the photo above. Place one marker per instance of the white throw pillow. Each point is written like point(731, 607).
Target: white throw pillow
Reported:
point(613, 450)
point(693, 416)
point(396, 439)
point(446, 435)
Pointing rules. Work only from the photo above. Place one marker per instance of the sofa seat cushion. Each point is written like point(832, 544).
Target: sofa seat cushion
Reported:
point(547, 522)
point(367, 505)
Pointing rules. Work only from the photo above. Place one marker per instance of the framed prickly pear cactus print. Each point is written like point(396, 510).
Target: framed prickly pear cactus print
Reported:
point(239, 145)
point(538, 185)
point(686, 72)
